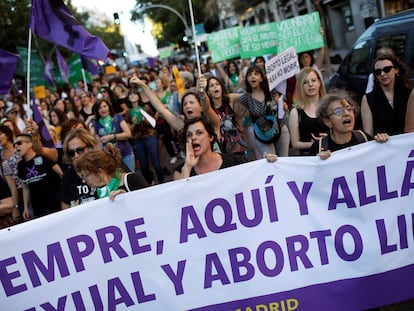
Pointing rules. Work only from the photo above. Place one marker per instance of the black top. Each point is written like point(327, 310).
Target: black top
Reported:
point(4, 189)
point(134, 181)
point(43, 183)
point(229, 160)
point(73, 191)
point(357, 138)
point(386, 118)
point(308, 126)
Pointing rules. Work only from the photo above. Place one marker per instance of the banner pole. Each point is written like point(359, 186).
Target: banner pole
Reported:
point(29, 52)
point(194, 36)
point(84, 79)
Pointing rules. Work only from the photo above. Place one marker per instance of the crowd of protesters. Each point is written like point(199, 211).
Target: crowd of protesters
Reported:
point(146, 126)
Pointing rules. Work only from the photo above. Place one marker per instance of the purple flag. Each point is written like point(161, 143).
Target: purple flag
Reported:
point(8, 64)
point(48, 72)
point(44, 132)
point(52, 21)
point(89, 65)
point(63, 66)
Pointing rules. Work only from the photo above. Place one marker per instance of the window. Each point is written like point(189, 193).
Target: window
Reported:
point(358, 61)
point(396, 42)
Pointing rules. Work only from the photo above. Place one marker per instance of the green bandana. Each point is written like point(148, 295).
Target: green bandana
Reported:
point(104, 191)
point(136, 113)
point(107, 124)
point(234, 79)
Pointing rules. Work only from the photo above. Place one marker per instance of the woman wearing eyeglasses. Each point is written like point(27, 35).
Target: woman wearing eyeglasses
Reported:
point(384, 110)
point(337, 111)
point(73, 191)
point(100, 169)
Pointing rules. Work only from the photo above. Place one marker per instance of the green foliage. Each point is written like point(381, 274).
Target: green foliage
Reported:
point(14, 28)
point(14, 23)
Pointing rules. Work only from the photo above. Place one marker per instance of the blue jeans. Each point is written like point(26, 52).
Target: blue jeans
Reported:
point(129, 161)
point(149, 147)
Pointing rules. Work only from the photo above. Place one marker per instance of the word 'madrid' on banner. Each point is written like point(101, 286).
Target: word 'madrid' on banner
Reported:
point(278, 237)
point(301, 32)
point(224, 44)
point(258, 40)
point(282, 67)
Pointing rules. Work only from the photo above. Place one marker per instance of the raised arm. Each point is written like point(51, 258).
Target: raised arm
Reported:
point(175, 122)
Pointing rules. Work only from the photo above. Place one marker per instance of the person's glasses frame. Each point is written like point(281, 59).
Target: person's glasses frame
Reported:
point(340, 111)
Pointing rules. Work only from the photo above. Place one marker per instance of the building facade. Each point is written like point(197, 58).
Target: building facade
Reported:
point(345, 20)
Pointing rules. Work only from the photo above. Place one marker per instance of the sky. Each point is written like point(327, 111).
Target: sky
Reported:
point(136, 32)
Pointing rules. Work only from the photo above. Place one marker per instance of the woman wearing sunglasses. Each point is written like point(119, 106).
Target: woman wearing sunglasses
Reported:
point(337, 111)
point(73, 191)
point(384, 110)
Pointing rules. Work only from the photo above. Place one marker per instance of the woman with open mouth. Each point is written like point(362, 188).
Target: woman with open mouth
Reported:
point(337, 111)
point(199, 137)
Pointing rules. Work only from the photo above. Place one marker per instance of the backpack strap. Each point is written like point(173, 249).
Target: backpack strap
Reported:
point(126, 182)
point(360, 135)
point(321, 143)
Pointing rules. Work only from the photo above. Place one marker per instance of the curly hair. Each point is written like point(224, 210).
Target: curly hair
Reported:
point(335, 95)
point(108, 160)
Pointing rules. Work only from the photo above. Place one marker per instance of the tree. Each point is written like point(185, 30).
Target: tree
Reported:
point(14, 27)
point(14, 23)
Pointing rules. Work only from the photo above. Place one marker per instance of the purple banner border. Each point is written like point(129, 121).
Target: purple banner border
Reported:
point(344, 295)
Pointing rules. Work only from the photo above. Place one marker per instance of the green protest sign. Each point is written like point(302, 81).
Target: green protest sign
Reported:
point(165, 52)
point(36, 66)
point(258, 40)
point(75, 70)
point(302, 32)
point(224, 44)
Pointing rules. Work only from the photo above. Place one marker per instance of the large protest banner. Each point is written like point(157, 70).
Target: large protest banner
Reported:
point(298, 234)
point(258, 40)
point(301, 32)
point(224, 44)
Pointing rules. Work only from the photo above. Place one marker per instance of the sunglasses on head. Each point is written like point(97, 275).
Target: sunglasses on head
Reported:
point(386, 69)
point(79, 150)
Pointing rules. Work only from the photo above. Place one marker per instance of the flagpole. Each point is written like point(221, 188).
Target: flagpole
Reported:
point(29, 52)
point(84, 80)
point(194, 36)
